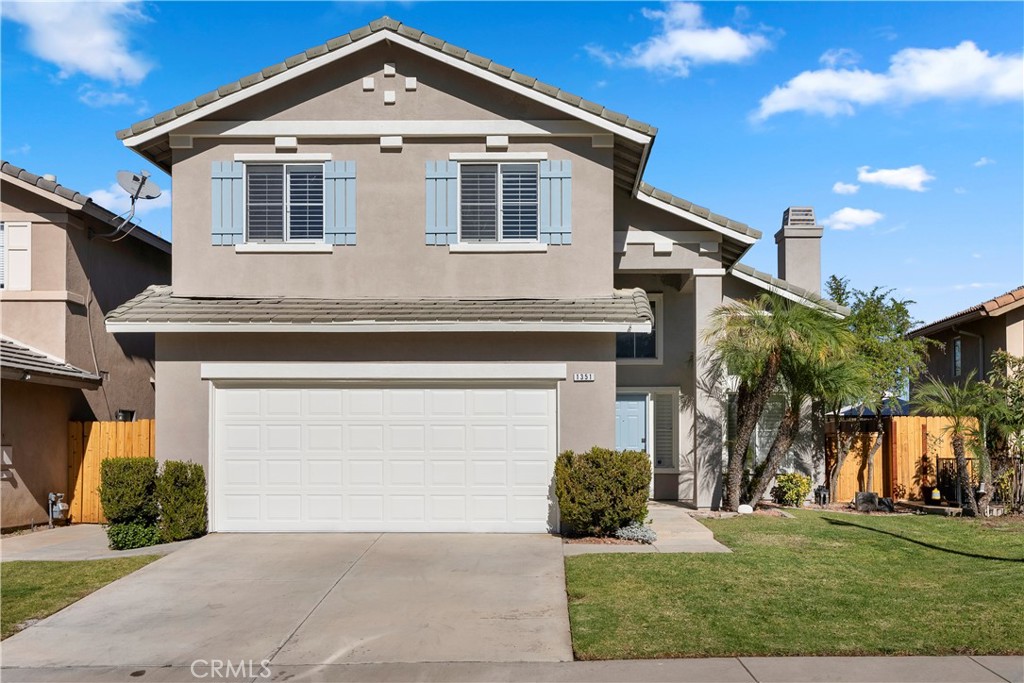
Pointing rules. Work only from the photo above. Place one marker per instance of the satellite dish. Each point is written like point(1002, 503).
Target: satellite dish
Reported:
point(138, 185)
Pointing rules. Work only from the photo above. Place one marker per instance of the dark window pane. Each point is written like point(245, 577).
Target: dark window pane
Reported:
point(635, 345)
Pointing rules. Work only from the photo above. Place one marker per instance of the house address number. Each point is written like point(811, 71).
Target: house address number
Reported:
point(583, 377)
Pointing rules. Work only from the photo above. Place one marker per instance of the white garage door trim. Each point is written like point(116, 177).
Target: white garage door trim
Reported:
point(363, 376)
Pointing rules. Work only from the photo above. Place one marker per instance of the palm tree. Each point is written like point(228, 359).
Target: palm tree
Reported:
point(962, 404)
point(831, 377)
point(753, 340)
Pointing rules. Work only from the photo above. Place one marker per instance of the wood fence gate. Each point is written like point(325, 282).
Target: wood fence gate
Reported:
point(89, 444)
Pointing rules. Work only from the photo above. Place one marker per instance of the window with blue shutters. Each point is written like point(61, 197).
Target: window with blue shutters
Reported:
point(284, 202)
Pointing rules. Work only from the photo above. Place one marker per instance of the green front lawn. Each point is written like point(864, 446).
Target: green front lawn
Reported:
point(33, 590)
point(819, 584)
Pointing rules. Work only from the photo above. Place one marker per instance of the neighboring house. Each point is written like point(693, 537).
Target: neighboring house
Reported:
point(405, 277)
point(59, 276)
point(967, 340)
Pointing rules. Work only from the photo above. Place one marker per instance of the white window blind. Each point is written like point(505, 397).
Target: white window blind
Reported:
point(284, 202)
point(499, 202)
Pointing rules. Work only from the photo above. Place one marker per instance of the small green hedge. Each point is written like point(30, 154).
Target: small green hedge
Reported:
point(128, 490)
point(145, 505)
point(791, 489)
point(128, 535)
point(181, 494)
point(601, 490)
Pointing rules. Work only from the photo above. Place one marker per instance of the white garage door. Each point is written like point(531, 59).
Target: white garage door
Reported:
point(333, 458)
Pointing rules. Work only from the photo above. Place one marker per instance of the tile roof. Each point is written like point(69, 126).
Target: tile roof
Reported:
point(387, 24)
point(700, 211)
point(22, 359)
point(83, 200)
point(805, 294)
point(985, 308)
point(157, 304)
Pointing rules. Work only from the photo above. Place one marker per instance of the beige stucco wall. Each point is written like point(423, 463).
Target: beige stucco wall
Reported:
point(75, 281)
point(33, 420)
point(586, 410)
point(391, 258)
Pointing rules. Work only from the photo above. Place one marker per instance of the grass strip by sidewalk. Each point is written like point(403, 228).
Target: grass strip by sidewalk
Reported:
point(818, 584)
point(34, 590)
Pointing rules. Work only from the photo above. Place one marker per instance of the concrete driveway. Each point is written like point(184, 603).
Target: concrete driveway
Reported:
point(314, 599)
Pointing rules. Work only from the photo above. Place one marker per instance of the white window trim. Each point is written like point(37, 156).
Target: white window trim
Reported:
point(500, 239)
point(284, 248)
point(286, 240)
point(498, 248)
point(659, 333)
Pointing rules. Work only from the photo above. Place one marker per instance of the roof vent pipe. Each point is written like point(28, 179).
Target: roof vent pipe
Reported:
point(799, 245)
point(49, 176)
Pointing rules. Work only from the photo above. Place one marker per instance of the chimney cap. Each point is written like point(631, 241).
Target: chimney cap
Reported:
point(799, 217)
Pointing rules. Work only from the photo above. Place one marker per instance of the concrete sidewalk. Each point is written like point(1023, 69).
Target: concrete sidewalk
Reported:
point(677, 531)
point(724, 670)
point(68, 543)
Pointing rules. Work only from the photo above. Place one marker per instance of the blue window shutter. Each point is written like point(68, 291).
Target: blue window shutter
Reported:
point(340, 202)
point(442, 202)
point(556, 202)
point(226, 193)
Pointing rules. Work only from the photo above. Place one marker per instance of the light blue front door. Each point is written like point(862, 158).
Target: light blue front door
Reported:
point(631, 422)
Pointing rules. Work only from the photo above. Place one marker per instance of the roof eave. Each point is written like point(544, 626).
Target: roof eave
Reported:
point(949, 323)
point(40, 377)
point(640, 327)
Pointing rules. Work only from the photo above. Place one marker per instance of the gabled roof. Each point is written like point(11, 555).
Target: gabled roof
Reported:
point(320, 52)
point(84, 201)
point(157, 309)
point(21, 362)
point(986, 309)
point(787, 290)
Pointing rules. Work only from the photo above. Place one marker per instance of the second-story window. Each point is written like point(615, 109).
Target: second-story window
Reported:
point(498, 202)
point(284, 202)
point(957, 356)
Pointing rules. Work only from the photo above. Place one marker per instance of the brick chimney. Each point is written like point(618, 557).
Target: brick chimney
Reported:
point(799, 243)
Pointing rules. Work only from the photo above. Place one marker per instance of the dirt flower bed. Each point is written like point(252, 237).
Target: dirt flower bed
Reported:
point(605, 540)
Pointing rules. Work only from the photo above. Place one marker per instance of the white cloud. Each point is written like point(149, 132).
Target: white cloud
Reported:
point(984, 161)
point(115, 199)
point(845, 188)
point(23, 148)
point(959, 190)
point(684, 40)
point(910, 178)
point(839, 56)
point(851, 219)
point(98, 99)
point(91, 38)
point(963, 72)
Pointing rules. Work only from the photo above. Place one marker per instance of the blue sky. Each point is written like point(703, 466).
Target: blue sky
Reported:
point(901, 123)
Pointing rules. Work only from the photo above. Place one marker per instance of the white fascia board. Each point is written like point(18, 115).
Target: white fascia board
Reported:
point(379, 127)
point(784, 293)
point(369, 326)
point(381, 36)
point(694, 218)
point(383, 371)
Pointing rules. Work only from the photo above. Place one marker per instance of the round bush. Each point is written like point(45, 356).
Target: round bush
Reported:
point(181, 494)
point(791, 489)
point(128, 490)
point(602, 490)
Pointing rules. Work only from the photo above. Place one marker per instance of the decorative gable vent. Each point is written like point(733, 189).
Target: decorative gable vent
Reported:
point(796, 216)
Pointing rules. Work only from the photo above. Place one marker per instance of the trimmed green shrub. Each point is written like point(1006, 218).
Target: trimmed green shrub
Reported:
point(181, 494)
point(128, 535)
point(601, 491)
point(791, 489)
point(128, 490)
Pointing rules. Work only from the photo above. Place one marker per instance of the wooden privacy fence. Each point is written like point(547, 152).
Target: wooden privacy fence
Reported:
point(89, 444)
point(898, 463)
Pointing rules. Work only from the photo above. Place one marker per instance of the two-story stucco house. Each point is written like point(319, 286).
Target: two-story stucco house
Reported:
point(61, 271)
point(405, 277)
point(967, 339)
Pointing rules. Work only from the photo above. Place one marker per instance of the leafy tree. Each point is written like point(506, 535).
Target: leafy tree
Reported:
point(962, 404)
point(880, 324)
point(754, 340)
point(1000, 438)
